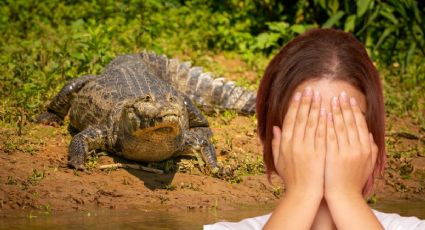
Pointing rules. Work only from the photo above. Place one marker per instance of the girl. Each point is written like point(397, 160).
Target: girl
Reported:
point(320, 113)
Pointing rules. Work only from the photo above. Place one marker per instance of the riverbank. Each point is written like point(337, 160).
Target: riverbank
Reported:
point(34, 176)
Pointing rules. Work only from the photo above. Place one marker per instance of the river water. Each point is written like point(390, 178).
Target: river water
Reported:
point(137, 219)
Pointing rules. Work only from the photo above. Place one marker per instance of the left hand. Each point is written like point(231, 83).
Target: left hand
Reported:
point(351, 152)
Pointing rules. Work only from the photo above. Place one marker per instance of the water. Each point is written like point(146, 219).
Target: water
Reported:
point(161, 220)
point(403, 208)
point(131, 219)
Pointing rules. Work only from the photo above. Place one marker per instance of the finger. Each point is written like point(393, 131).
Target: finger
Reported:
point(338, 122)
point(291, 114)
point(331, 140)
point(320, 140)
point(313, 118)
point(361, 124)
point(350, 122)
point(373, 149)
point(276, 144)
point(302, 115)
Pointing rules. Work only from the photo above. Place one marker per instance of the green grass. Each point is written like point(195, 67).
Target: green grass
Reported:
point(91, 162)
point(11, 180)
point(36, 176)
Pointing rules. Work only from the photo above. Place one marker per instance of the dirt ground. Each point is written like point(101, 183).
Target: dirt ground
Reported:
point(34, 175)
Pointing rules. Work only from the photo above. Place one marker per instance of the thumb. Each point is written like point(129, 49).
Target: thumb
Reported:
point(277, 134)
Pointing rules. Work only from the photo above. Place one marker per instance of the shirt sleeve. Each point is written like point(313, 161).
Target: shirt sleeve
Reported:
point(255, 223)
point(392, 221)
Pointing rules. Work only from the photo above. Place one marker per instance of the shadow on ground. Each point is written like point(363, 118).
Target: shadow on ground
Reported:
point(151, 180)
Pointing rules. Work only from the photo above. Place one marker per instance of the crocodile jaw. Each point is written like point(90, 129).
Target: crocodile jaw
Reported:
point(156, 143)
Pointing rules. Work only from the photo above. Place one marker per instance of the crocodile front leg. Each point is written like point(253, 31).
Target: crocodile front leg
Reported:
point(198, 140)
point(84, 142)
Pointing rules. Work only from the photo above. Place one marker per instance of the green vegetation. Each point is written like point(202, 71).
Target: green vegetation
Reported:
point(372, 200)
point(44, 44)
point(46, 209)
point(91, 161)
point(11, 180)
point(36, 177)
point(277, 191)
point(235, 167)
point(170, 187)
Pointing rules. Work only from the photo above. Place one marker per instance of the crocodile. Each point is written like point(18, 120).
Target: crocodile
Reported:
point(145, 107)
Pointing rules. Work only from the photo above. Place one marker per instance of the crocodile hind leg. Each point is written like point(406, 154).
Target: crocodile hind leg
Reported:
point(84, 142)
point(59, 106)
point(197, 140)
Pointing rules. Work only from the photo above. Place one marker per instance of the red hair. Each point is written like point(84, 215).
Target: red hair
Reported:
point(320, 54)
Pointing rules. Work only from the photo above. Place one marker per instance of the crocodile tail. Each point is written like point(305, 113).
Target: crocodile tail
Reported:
point(209, 92)
point(201, 87)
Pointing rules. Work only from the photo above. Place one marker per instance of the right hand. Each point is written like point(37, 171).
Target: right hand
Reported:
point(299, 148)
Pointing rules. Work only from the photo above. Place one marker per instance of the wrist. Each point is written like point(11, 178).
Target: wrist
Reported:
point(360, 215)
point(303, 194)
point(296, 210)
point(341, 196)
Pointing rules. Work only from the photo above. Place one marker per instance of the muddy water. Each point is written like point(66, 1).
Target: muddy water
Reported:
point(137, 219)
point(131, 219)
point(403, 208)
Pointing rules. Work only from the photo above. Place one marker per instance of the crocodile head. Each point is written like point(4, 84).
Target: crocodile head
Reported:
point(152, 127)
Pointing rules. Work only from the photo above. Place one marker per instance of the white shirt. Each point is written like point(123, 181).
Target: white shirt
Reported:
point(390, 221)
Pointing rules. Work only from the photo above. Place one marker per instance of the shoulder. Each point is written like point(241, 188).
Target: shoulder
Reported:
point(388, 220)
point(248, 224)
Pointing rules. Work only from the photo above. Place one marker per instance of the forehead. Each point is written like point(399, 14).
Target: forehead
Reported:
point(330, 88)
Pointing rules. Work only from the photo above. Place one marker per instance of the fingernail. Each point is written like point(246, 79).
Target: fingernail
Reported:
point(353, 101)
point(344, 96)
point(322, 112)
point(335, 102)
point(316, 96)
point(297, 96)
point(307, 91)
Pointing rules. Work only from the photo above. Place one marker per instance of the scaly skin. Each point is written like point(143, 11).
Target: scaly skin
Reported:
point(141, 108)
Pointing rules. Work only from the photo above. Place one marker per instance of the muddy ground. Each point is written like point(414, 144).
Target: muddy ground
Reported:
point(34, 175)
